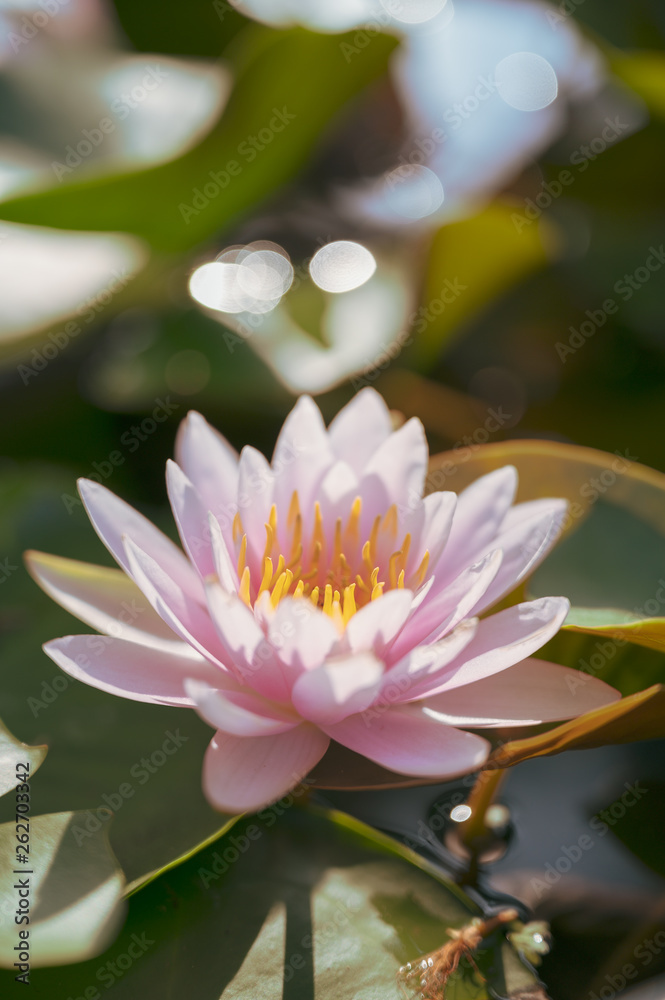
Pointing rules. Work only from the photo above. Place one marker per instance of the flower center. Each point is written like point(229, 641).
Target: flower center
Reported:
point(337, 570)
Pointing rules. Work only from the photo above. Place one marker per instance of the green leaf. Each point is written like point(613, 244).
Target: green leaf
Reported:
point(75, 892)
point(13, 752)
point(613, 570)
point(471, 263)
point(644, 72)
point(293, 904)
point(282, 77)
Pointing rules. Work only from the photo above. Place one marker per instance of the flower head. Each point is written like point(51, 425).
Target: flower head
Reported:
point(322, 597)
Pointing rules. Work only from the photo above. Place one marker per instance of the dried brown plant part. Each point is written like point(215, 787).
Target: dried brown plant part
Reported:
point(429, 974)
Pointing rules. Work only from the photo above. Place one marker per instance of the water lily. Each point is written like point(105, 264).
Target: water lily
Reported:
point(318, 598)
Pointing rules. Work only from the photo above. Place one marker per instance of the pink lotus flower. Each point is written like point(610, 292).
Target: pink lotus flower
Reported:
point(318, 598)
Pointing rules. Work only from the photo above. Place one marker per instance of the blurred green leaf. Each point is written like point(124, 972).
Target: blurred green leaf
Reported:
point(644, 72)
point(282, 77)
point(471, 263)
point(292, 904)
point(13, 752)
point(613, 570)
point(75, 892)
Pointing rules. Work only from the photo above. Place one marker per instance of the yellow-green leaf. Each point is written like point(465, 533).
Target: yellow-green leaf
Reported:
point(13, 752)
point(75, 891)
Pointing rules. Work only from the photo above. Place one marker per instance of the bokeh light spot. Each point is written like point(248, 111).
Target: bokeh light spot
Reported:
point(342, 266)
point(526, 81)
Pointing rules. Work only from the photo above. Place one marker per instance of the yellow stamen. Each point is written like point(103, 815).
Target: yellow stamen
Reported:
point(352, 533)
point(238, 530)
point(390, 520)
point(406, 547)
point(273, 520)
point(392, 567)
point(267, 576)
point(281, 566)
point(300, 587)
point(361, 583)
point(296, 545)
point(328, 599)
point(294, 509)
point(270, 538)
point(337, 545)
point(400, 581)
point(242, 555)
point(349, 608)
point(374, 534)
point(314, 596)
point(377, 591)
point(422, 569)
point(243, 589)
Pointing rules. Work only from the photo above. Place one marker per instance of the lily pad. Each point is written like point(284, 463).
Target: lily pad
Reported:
point(74, 889)
point(302, 905)
point(13, 752)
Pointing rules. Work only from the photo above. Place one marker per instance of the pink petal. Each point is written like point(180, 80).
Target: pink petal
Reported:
point(443, 611)
point(184, 615)
point(405, 739)
point(438, 514)
point(376, 625)
point(226, 572)
point(526, 694)
point(209, 461)
point(400, 463)
point(302, 456)
point(113, 519)
point(191, 518)
point(360, 429)
point(423, 661)
point(524, 544)
point(500, 641)
point(132, 671)
point(481, 508)
point(302, 635)
point(106, 599)
point(239, 713)
point(242, 774)
point(338, 688)
point(247, 648)
point(255, 498)
point(336, 494)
